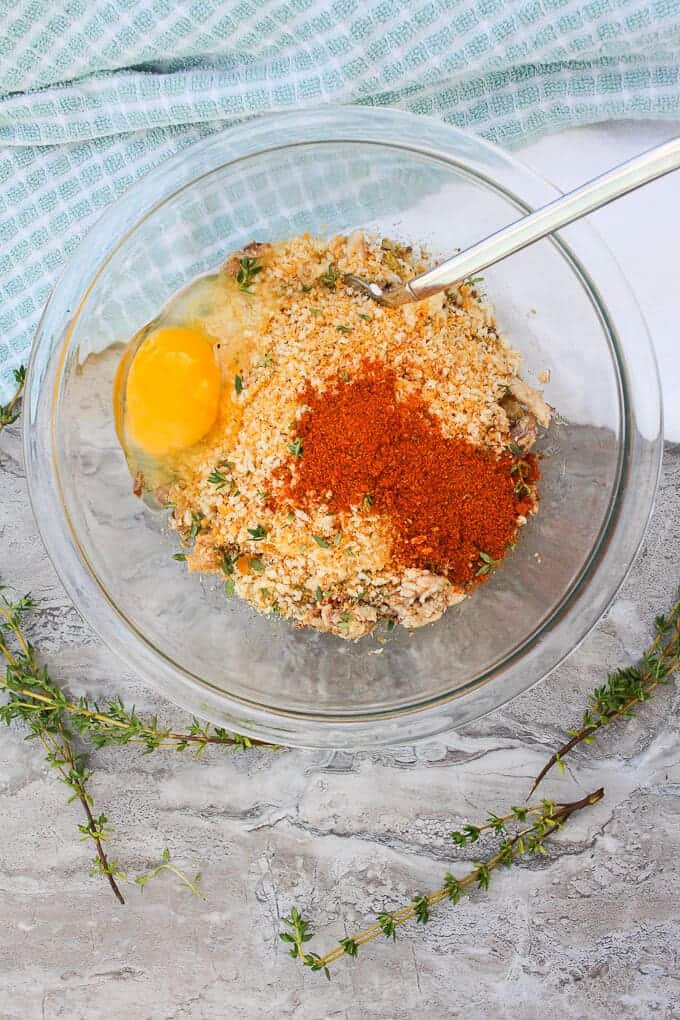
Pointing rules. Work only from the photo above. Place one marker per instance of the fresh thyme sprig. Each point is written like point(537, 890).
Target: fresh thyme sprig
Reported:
point(545, 818)
point(116, 724)
point(192, 884)
point(50, 729)
point(10, 412)
point(625, 688)
point(35, 698)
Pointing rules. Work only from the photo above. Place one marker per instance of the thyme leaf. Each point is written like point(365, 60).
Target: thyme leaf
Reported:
point(330, 277)
point(196, 519)
point(218, 478)
point(487, 564)
point(248, 269)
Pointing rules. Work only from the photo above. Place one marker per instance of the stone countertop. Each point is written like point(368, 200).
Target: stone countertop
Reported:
point(590, 931)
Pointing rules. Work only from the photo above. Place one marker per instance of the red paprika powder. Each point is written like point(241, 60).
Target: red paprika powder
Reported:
point(448, 500)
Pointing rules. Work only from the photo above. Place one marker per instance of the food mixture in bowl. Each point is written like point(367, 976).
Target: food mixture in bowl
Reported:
point(339, 462)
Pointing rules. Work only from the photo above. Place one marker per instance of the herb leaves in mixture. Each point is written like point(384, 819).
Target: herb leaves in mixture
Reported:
point(257, 533)
point(331, 276)
point(218, 478)
point(296, 447)
point(248, 269)
point(196, 519)
point(487, 564)
point(343, 409)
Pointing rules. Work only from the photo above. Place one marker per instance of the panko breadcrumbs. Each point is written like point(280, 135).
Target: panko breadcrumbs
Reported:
point(337, 568)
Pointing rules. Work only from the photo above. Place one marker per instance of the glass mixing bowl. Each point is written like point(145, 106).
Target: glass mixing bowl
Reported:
point(562, 302)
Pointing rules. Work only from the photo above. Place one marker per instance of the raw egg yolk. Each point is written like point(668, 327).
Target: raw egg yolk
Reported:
point(172, 392)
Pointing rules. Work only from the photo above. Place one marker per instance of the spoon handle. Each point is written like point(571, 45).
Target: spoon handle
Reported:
point(624, 178)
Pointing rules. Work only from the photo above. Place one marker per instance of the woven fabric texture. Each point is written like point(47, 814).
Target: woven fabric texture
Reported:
point(92, 96)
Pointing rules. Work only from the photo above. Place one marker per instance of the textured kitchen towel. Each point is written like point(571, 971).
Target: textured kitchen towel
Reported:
point(92, 95)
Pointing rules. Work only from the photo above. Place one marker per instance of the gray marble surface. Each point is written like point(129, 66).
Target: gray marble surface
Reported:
point(590, 931)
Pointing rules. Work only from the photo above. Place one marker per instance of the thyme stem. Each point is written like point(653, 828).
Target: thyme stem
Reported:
point(548, 818)
point(405, 914)
point(61, 756)
point(147, 731)
point(625, 688)
point(34, 694)
point(192, 885)
point(52, 733)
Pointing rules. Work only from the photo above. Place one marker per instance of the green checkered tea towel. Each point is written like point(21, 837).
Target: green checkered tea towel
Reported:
point(93, 95)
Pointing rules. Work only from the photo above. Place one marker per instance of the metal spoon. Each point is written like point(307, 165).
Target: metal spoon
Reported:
point(572, 206)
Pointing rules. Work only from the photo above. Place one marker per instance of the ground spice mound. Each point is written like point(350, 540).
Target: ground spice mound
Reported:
point(448, 501)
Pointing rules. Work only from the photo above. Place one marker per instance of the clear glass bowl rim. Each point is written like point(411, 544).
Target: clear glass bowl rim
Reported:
point(641, 451)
